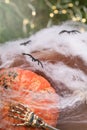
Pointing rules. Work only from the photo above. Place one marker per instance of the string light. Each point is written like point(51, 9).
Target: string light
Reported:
point(53, 7)
point(70, 5)
point(64, 11)
point(78, 18)
point(74, 18)
point(25, 21)
point(51, 15)
point(33, 13)
point(83, 20)
point(82, 29)
point(7, 1)
point(55, 11)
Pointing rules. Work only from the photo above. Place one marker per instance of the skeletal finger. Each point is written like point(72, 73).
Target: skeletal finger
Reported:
point(17, 108)
point(22, 124)
point(13, 111)
point(17, 117)
point(22, 107)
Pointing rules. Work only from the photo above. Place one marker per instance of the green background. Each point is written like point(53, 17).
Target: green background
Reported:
point(17, 20)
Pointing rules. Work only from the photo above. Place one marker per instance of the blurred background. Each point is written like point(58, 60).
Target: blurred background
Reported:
point(22, 18)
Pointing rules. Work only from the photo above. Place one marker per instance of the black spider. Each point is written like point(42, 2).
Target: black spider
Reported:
point(33, 59)
point(66, 31)
point(25, 43)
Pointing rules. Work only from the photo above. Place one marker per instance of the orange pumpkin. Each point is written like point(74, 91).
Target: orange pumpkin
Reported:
point(26, 87)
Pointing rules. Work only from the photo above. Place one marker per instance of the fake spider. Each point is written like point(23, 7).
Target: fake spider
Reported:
point(34, 59)
point(27, 117)
point(25, 43)
point(66, 31)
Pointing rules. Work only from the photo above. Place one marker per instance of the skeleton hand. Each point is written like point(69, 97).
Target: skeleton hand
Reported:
point(27, 117)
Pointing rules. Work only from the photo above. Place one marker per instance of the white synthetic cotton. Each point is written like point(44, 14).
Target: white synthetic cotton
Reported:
point(72, 45)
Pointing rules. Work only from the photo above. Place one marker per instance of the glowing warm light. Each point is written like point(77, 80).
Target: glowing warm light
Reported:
point(78, 18)
point(51, 15)
point(55, 11)
point(83, 20)
point(33, 13)
point(70, 4)
point(64, 11)
point(7, 1)
point(32, 25)
point(82, 30)
point(74, 19)
point(25, 21)
point(54, 7)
